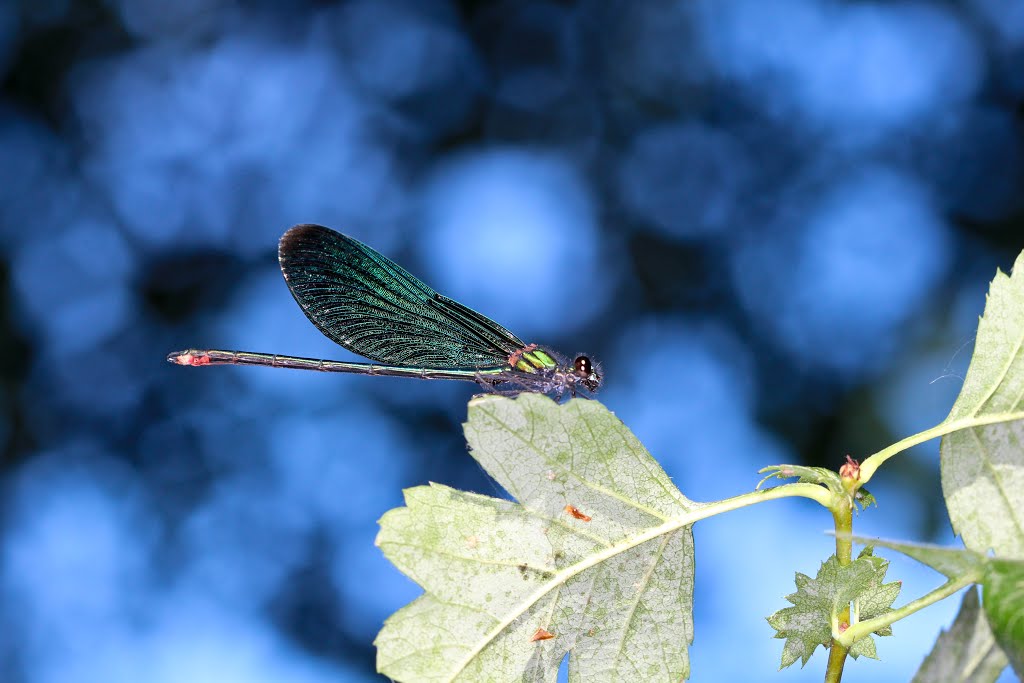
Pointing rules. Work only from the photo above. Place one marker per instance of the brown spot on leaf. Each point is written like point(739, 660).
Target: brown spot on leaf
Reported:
point(541, 634)
point(575, 512)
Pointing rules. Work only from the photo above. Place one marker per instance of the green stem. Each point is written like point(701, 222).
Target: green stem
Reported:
point(842, 516)
point(869, 626)
point(843, 519)
point(813, 491)
point(874, 461)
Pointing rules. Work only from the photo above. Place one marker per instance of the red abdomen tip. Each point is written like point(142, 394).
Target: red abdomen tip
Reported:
point(191, 359)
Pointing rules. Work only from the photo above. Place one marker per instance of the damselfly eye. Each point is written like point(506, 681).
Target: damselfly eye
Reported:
point(584, 369)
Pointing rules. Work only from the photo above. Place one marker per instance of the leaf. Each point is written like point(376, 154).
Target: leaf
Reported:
point(865, 647)
point(954, 563)
point(616, 591)
point(821, 476)
point(983, 463)
point(819, 601)
point(864, 498)
point(804, 475)
point(874, 600)
point(967, 652)
point(1004, 605)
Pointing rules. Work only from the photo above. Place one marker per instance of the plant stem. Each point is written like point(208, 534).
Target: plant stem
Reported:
point(872, 462)
point(842, 516)
point(864, 628)
point(813, 491)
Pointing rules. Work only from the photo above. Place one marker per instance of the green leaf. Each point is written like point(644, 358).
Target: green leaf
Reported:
point(983, 464)
point(874, 599)
point(803, 474)
point(954, 563)
point(864, 498)
point(820, 476)
point(592, 560)
point(1004, 605)
point(865, 647)
point(967, 652)
point(819, 601)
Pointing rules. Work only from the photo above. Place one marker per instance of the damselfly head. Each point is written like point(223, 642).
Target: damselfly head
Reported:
point(587, 373)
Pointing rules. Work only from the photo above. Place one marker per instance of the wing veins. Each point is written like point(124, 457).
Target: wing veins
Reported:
point(366, 303)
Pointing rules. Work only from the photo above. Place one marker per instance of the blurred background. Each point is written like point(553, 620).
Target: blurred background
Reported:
point(773, 222)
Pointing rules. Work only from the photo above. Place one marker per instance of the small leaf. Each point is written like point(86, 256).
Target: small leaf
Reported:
point(865, 647)
point(821, 476)
point(967, 652)
point(1004, 605)
point(865, 499)
point(874, 600)
point(819, 601)
point(592, 560)
point(804, 475)
point(983, 463)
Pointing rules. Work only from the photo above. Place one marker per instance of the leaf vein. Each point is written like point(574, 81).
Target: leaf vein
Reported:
point(641, 589)
point(597, 488)
point(997, 480)
point(1002, 376)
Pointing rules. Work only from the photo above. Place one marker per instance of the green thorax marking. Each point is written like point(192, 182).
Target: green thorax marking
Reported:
point(532, 361)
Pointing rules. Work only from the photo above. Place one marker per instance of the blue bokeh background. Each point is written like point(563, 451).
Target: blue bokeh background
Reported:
point(773, 222)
